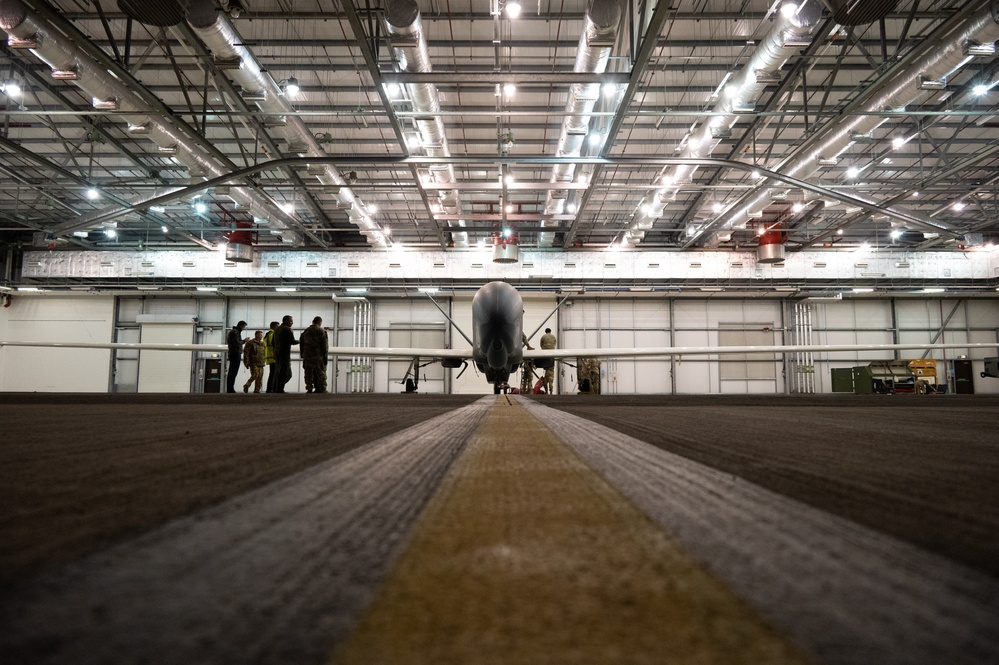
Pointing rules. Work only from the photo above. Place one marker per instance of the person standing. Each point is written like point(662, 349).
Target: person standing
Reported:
point(315, 349)
point(284, 339)
point(526, 369)
point(269, 356)
point(548, 341)
point(234, 340)
point(253, 358)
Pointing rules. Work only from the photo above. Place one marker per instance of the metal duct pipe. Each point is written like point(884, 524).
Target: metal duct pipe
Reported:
point(600, 29)
point(937, 59)
point(214, 29)
point(61, 54)
point(355, 342)
point(792, 27)
point(409, 43)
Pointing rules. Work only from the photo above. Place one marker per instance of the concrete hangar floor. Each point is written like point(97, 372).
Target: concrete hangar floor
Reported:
point(499, 529)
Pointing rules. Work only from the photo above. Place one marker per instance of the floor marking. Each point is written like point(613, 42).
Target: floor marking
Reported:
point(847, 594)
point(525, 555)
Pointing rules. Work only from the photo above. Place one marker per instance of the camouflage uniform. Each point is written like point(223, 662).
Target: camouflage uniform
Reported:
point(527, 377)
point(548, 341)
point(314, 347)
point(253, 358)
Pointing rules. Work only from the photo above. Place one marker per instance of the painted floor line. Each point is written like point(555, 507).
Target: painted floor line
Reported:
point(845, 593)
point(526, 555)
point(273, 576)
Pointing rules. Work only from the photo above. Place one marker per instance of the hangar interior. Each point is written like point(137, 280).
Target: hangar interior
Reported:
point(688, 173)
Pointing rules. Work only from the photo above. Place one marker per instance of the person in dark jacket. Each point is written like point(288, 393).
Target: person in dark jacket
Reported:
point(235, 343)
point(284, 339)
point(269, 356)
point(315, 348)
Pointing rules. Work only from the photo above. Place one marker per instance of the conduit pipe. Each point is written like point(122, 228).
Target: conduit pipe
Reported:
point(63, 56)
point(938, 59)
point(409, 42)
point(791, 29)
point(600, 31)
point(221, 38)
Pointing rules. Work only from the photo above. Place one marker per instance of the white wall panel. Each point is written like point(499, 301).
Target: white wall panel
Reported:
point(55, 319)
point(165, 371)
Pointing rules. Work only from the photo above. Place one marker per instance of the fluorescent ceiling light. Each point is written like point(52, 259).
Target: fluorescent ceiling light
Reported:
point(285, 289)
point(28, 288)
point(356, 289)
point(208, 288)
point(933, 290)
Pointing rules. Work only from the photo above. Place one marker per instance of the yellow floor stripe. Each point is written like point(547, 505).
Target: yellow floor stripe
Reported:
point(525, 555)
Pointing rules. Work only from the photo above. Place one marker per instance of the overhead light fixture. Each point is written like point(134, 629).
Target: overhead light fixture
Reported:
point(291, 88)
point(165, 229)
point(81, 234)
point(288, 207)
point(12, 88)
point(898, 142)
point(852, 172)
point(959, 206)
point(513, 9)
point(157, 209)
point(110, 233)
point(28, 288)
point(509, 90)
point(392, 89)
point(610, 89)
point(933, 290)
point(430, 289)
point(356, 289)
point(285, 289)
point(93, 194)
point(207, 288)
point(860, 290)
point(200, 208)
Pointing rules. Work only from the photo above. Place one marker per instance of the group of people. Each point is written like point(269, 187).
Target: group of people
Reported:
point(527, 376)
point(273, 350)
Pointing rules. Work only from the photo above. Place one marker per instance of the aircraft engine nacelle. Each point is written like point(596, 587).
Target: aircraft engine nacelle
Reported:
point(544, 363)
point(452, 363)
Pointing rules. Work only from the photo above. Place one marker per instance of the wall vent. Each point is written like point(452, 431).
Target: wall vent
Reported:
point(439, 265)
point(655, 266)
point(610, 266)
point(395, 265)
point(228, 264)
point(353, 264)
point(859, 265)
point(312, 264)
point(818, 264)
point(569, 265)
point(476, 265)
point(735, 265)
point(528, 265)
point(188, 264)
point(332, 272)
point(903, 264)
point(273, 264)
point(107, 264)
point(146, 264)
point(695, 265)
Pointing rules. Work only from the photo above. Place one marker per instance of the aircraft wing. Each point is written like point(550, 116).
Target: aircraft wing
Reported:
point(665, 351)
point(398, 352)
point(369, 352)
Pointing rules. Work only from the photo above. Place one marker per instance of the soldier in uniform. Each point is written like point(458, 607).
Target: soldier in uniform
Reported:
point(284, 339)
point(254, 360)
point(548, 341)
point(315, 347)
point(269, 358)
point(526, 370)
point(594, 366)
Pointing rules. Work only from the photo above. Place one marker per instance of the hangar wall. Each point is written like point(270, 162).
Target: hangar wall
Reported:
point(584, 322)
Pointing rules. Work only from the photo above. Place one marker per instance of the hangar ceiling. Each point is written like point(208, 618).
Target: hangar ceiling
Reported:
point(441, 125)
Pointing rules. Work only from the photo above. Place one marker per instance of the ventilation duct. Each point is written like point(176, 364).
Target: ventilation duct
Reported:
point(409, 43)
point(600, 28)
point(62, 54)
point(771, 247)
point(792, 26)
point(934, 59)
point(227, 46)
point(240, 247)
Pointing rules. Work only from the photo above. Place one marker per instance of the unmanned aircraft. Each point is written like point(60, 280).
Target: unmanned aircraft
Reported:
point(497, 343)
